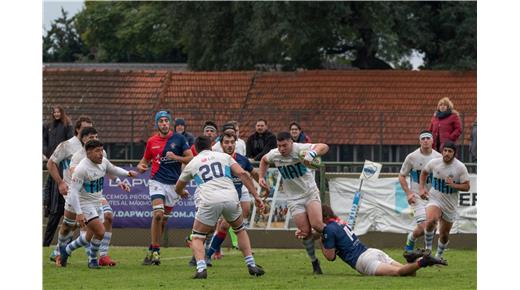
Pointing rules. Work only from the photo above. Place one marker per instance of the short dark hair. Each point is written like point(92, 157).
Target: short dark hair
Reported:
point(295, 124)
point(92, 144)
point(261, 120)
point(327, 212)
point(425, 131)
point(228, 126)
point(283, 136)
point(234, 136)
point(202, 143)
point(87, 131)
point(451, 145)
point(210, 123)
point(80, 120)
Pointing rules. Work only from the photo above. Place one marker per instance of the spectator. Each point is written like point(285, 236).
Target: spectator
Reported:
point(297, 134)
point(260, 142)
point(473, 145)
point(445, 124)
point(56, 131)
point(180, 128)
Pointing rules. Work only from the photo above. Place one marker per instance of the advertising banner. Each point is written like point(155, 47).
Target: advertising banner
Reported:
point(384, 207)
point(134, 209)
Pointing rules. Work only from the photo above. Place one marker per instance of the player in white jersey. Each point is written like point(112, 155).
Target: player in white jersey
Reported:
point(217, 196)
point(90, 133)
point(61, 157)
point(85, 194)
point(449, 176)
point(412, 165)
point(298, 183)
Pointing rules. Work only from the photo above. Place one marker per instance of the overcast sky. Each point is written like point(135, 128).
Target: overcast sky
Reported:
point(52, 10)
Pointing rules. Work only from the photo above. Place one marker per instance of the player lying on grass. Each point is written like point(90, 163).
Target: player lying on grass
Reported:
point(338, 239)
point(86, 191)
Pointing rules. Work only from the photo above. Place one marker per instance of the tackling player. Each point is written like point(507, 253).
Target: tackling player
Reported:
point(86, 188)
point(449, 176)
point(338, 239)
point(298, 183)
point(167, 151)
point(413, 164)
point(217, 196)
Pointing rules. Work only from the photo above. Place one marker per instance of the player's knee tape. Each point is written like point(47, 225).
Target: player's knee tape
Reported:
point(199, 235)
point(159, 207)
point(239, 228)
point(69, 222)
point(107, 208)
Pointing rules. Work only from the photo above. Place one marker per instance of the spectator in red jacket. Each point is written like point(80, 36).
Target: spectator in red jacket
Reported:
point(297, 134)
point(445, 124)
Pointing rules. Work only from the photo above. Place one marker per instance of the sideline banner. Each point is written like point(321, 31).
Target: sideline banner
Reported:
point(134, 209)
point(385, 207)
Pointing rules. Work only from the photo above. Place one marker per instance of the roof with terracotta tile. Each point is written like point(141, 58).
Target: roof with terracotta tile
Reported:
point(336, 107)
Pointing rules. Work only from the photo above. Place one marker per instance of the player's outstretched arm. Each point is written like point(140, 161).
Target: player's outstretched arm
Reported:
point(422, 183)
point(142, 166)
point(320, 149)
point(264, 164)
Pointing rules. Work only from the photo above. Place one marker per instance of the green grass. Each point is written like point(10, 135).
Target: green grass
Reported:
point(285, 269)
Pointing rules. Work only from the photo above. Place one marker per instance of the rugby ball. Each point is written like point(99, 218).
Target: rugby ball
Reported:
point(315, 163)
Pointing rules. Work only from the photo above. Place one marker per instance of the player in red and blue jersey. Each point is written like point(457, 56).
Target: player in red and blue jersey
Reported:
point(167, 151)
point(228, 143)
point(338, 239)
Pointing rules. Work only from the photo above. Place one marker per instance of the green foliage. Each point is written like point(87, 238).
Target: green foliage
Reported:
point(285, 35)
point(62, 42)
point(285, 269)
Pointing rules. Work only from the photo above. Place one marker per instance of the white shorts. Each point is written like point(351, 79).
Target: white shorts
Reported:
point(368, 262)
point(419, 209)
point(209, 214)
point(297, 206)
point(447, 215)
point(105, 206)
point(91, 212)
point(164, 191)
point(245, 194)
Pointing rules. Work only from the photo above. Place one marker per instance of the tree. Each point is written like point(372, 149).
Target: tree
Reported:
point(62, 42)
point(285, 35)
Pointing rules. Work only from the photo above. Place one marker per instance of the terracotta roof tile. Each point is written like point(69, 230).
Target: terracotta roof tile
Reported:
point(337, 107)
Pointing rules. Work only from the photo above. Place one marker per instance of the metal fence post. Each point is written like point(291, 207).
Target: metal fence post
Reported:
point(132, 134)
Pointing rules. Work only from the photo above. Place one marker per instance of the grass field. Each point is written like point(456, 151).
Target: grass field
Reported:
point(285, 269)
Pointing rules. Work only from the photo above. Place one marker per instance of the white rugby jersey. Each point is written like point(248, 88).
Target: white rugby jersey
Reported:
point(62, 155)
point(86, 186)
point(298, 180)
point(413, 164)
point(80, 155)
point(240, 147)
point(441, 171)
point(212, 173)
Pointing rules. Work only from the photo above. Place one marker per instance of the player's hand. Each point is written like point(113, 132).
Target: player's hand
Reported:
point(259, 203)
point(299, 234)
point(411, 198)
point(124, 186)
point(132, 174)
point(423, 194)
point(80, 218)
point(263, 183)
point(63, 188)
point(185, 194)
point(142, 167)
point(172, 156)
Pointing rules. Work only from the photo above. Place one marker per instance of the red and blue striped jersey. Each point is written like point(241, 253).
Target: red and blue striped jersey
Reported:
point(165, 170)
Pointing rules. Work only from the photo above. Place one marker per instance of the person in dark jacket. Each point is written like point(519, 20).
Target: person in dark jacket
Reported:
point(297, 134)
point(180, 127)
point(56, 131)
point(473, 144)
point(260, 142)
point(445, 124)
